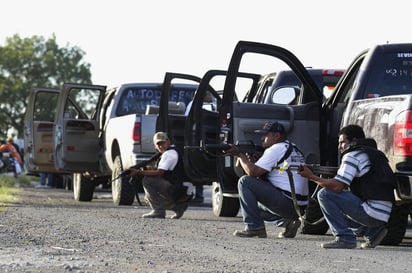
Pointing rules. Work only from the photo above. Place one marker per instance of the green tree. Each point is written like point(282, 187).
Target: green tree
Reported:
point(26, 63)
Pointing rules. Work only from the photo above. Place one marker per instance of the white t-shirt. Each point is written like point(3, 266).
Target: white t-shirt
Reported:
point(279, 178)
point(168, 160)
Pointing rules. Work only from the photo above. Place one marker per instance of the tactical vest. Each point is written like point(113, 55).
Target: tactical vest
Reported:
point(379, 182)
point(177, 175)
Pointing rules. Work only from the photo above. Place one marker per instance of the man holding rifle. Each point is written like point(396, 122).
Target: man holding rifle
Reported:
point(163, 185)
point(265, 191)
point(361, 193)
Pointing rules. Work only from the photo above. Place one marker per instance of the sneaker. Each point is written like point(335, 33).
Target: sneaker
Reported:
point(290, 230)
point(179, 210)
point(339, 245)
point(154, 214)
point(376, 241)
point(260, 233)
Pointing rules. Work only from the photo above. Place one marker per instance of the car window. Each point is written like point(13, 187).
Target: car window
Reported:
point(390, 75)
point(45, 106)
point(81, 104)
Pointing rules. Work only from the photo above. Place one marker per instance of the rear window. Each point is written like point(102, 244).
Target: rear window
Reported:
point(135, 99)
point(390, 75)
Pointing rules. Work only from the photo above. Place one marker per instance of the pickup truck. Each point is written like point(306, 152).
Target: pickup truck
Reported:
point(91, 133)
point(374, 92)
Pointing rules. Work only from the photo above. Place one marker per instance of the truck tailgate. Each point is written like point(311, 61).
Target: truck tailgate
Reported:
point(385, 119)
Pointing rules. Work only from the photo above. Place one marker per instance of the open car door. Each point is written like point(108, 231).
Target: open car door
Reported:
point(76, 134)
point(201, 127)
point(299, 110)
point(38, 130)
point(174, 96)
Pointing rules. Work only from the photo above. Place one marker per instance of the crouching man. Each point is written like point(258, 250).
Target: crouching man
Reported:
point(163, 185)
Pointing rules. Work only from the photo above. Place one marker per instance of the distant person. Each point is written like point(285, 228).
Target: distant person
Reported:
point(265, 192)
point(163, 186)
point(18, 149)
point(46, 180)
point(16, 146)
point(15, 156)
point(354, 196)
point(207, 103)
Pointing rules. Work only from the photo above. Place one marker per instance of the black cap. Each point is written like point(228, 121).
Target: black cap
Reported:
point(271, 127)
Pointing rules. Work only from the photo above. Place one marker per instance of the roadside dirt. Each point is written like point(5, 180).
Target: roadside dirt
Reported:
point(45, 230)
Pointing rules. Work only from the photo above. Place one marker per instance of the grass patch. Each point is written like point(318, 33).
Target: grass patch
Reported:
point(11, 186)
point(8, 195)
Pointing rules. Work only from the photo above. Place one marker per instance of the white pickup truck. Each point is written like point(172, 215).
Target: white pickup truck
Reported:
point(92, 133)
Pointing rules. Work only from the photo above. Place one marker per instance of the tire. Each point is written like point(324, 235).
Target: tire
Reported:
point(312, 223)
point(123, 192)
point(83, 188)
point(223, 206)
point(397, 224)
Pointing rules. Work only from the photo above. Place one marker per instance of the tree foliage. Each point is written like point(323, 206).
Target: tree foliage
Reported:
point(31, 62)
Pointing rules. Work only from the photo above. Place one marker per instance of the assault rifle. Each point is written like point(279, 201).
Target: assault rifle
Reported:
point(246, 147)
point(139, 165)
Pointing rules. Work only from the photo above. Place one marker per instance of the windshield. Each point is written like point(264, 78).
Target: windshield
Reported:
point(135, 99)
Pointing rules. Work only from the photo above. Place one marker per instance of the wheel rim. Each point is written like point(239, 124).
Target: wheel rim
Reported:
point(76, 185)
point(217, 195)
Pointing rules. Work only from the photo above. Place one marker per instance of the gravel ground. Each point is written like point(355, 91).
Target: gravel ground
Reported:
point(45, 230)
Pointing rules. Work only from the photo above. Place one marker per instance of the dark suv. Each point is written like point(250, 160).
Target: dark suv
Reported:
point(325, 79)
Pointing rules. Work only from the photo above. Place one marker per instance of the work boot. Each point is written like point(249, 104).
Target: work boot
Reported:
point(290, 230)
point(155, 214)
point(179, 210)
point(372, 243)
point(339, 245)
point(247, 233)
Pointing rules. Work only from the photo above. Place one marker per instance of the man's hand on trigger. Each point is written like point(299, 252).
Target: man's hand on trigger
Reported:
point(135, 172)
point(232, 151)
point(304, 171)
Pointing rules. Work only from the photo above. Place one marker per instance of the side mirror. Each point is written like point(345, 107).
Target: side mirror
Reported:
point(285, 95)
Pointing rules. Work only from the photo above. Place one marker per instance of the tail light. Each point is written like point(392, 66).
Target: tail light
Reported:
point(333, 72)
point(402, 134)
point(137, 132)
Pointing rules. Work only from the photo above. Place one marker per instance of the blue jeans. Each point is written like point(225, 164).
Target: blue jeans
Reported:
point(260, 201)
point(48, 177)
point(343, 210)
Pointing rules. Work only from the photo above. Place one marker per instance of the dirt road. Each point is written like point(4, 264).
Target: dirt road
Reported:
point(47, 231)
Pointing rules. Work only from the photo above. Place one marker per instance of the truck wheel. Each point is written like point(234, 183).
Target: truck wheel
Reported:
point(123, 192)
point(398, 222)
point(83, 188)
point(223, 206)
point(313, 223)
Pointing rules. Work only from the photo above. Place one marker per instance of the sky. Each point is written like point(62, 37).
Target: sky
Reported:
point(138, 41)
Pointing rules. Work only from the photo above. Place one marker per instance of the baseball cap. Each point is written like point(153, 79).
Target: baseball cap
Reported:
point(160, 136)
point(271, 127)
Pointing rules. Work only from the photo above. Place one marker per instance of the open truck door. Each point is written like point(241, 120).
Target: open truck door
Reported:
point(76, 134)
point(299, 110)
point(175, 98)
point(39, 125)
point(201, 130)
